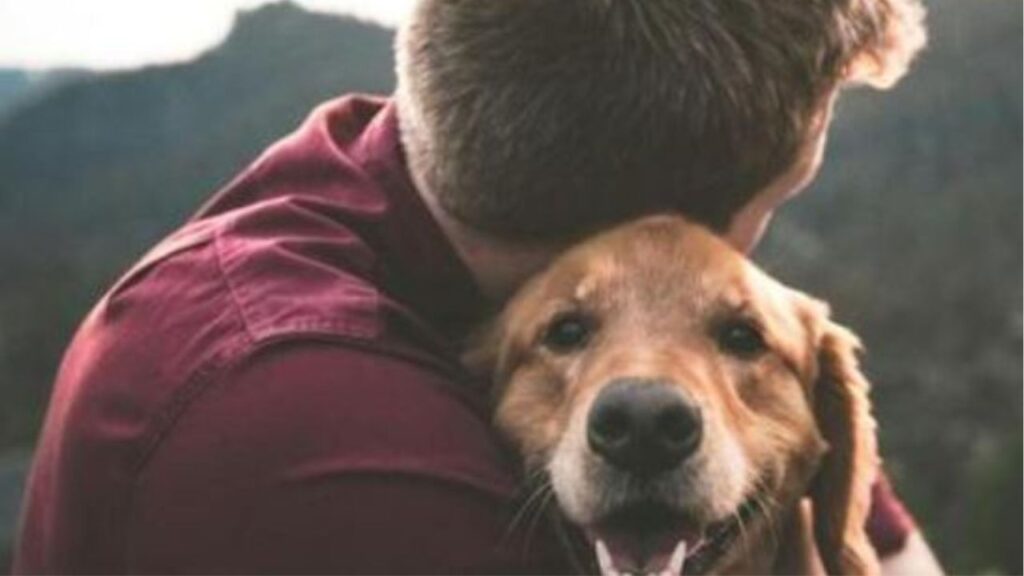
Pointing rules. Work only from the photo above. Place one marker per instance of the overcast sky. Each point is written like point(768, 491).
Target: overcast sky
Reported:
point(110, 34)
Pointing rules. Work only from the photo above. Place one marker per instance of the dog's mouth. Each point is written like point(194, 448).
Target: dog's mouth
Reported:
point(651, 538)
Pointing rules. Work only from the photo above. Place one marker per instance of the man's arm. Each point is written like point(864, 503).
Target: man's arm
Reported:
point(900, 545)
point(314, 458)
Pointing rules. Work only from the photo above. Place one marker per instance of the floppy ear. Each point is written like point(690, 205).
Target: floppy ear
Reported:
point(841, 492)
point(487, 355)
point(481, 354)
point(491, 351)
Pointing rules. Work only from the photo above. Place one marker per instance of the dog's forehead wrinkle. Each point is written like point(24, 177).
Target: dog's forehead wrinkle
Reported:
point(667, 301)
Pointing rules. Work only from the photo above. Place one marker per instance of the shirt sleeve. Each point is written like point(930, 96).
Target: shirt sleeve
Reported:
point(318, 458)
point(889, 523)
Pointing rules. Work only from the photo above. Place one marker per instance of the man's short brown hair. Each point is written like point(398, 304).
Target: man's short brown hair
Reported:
point(551, 118)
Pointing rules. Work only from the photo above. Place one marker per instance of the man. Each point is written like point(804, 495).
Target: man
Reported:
point(276, 387)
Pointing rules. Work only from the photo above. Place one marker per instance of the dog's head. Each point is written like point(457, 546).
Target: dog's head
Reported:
point(680, 401)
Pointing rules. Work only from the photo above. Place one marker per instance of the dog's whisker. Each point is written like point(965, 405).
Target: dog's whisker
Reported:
point(767, 511)
point(535, 500)
point(539, 510)
point(742, 528)
point(528, 504)
point(767, 506)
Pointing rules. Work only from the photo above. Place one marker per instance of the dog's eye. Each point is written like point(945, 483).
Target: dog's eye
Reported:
point(741, 338)
point(567, 332)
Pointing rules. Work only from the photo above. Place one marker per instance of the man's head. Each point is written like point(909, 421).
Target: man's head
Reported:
point(550, 119)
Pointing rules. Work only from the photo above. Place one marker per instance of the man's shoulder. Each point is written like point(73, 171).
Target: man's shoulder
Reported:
point(294, 249)
point(209, 293)
point(216, 296)
point(265, 342)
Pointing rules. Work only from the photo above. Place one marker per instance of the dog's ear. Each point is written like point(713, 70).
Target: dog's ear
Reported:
point(482, 352)
point(494, 349)
point(841, 491)
point(487, 354)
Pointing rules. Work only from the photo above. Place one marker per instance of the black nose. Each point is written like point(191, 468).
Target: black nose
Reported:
point(643, 426)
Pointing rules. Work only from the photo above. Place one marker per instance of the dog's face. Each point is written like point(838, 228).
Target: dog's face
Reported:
point(668, 389)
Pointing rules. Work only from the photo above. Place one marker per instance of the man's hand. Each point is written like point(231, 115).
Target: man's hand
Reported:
point(799, 553)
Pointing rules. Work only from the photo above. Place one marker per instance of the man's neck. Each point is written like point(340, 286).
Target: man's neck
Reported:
point(498, 266)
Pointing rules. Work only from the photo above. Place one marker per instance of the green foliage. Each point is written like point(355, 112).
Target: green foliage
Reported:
point(993, 536)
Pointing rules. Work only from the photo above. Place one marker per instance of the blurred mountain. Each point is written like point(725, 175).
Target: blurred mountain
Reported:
point(20, 86)
point(912, 232)
point(12, 83)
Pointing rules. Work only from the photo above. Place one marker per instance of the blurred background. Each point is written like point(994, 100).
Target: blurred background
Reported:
point(913, 230)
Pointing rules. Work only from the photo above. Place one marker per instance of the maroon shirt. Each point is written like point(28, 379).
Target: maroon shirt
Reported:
point(275, 388)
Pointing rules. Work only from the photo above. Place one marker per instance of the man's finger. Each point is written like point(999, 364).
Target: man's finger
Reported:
point(798, 553)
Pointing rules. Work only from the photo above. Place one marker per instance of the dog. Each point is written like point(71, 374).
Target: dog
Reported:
point(679, 403)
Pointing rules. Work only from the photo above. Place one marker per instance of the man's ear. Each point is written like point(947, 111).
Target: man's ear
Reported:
point(901, 35)
point(841, 492)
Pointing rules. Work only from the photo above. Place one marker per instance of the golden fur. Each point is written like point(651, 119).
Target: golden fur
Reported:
point(794, 420)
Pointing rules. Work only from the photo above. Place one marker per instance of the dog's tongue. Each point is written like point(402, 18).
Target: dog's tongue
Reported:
point(613, 564)
point(661, 554)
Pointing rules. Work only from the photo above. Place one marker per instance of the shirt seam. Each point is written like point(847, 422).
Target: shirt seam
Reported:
point(232, 291)
point(370, 467)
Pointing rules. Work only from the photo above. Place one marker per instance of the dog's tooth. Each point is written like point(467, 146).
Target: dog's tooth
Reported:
point(604, 559)
point(675, 563)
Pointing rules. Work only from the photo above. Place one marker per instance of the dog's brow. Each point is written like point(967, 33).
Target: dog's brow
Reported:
point(584, 289)
point(734, 305)
point(735, 299)
point(561, 306)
